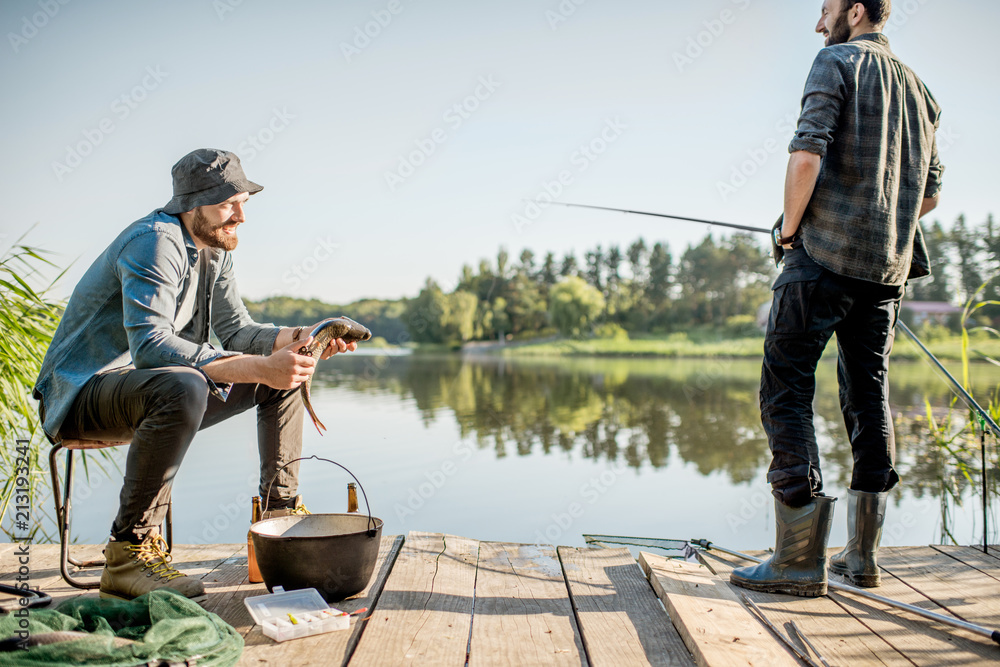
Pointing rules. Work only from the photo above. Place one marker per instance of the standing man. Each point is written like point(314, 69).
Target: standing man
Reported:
point(131, 360)
point(863, 170)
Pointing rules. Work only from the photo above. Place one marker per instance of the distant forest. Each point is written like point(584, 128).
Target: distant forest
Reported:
point(718, 284)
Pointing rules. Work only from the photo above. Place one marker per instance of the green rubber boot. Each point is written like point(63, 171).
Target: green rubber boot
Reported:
point(798, 566)
point(865, 516)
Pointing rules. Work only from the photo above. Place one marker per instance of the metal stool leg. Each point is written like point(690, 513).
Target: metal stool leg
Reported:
point(64, 508)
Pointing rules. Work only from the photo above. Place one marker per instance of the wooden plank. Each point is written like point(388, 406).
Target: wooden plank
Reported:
point(425, 611)
point(921, 642)
point(7, 548)
point(973, 557)
point(196, 560)
point(45, 575)
point(523, 614)
point(227, 585)
point(621, 620)
point(962, 590)
point(333, 648)
point(716, 627)
point(924, 642)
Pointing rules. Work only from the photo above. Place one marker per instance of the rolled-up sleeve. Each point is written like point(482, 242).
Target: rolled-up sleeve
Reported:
point(152, 268)
point(824, 96)
point(934, 173)
point(231, 321)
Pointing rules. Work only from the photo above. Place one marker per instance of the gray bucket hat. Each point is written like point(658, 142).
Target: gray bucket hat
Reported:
point(207, 176)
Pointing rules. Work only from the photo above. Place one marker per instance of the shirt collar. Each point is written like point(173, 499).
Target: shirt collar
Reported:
point(192, 249)
point(872, 37)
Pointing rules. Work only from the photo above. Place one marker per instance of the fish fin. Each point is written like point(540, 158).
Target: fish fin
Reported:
point(304, 389)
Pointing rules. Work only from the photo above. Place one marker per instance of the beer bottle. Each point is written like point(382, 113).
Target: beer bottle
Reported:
point(352, 497)
point(253, 573)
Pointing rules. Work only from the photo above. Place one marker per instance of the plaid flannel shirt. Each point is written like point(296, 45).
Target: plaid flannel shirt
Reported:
point(873, 122)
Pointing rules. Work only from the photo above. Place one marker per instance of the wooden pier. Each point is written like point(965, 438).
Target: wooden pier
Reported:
point(446, 600)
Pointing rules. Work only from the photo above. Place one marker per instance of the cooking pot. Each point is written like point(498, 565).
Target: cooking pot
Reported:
point(333, 553)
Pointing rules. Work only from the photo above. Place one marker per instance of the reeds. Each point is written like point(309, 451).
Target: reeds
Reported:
point(960, 439)
point(28, 319)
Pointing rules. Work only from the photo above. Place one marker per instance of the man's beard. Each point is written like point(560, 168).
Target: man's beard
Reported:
point(841, 31)
point(213, 237)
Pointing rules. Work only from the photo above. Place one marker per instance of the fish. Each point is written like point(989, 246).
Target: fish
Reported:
point(17, 644)
point(336, 327)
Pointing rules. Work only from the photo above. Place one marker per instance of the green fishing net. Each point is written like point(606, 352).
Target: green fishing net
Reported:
point(159, 626)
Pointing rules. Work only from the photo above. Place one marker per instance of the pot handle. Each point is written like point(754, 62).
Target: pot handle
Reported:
point(372, 531)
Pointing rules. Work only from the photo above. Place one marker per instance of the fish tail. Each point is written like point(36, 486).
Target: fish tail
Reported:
point(312, 413)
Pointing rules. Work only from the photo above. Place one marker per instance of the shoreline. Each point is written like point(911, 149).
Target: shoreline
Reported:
point(678, 346)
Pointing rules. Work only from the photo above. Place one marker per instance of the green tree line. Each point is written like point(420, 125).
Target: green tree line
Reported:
point(623, 290)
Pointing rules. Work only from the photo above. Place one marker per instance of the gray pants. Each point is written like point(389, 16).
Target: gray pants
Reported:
point(160, 410)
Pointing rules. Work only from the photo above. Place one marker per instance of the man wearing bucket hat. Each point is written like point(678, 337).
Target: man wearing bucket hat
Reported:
point(131, 360)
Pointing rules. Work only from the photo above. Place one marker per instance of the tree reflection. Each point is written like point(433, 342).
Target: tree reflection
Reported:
point(645, 412)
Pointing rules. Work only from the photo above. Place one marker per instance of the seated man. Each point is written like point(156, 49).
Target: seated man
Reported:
point(131, 360)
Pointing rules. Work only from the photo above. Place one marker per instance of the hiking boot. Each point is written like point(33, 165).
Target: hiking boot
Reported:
point(296, 508)
point(798, 565)
point(132, 570)
point(865, 516)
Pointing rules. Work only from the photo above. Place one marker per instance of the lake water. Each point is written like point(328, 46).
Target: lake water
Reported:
point(544, 451)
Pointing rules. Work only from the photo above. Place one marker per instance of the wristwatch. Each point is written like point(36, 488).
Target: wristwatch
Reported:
point(297, 333)
point(780, 240)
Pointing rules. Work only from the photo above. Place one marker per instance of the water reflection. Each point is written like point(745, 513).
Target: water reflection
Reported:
point(643, 412)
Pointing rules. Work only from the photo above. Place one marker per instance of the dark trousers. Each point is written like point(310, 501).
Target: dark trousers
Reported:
point(160, 410)
point(809, 305)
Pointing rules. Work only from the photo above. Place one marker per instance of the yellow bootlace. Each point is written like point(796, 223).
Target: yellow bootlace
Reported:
point(301, 509)
point(154, 555)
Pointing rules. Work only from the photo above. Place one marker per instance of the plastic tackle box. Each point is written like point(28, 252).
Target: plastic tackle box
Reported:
point(285, 615)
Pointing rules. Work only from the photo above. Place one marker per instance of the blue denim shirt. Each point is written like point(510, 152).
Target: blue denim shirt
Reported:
point(122, 313)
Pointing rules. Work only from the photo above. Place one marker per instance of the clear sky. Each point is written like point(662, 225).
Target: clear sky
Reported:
point(359, 143)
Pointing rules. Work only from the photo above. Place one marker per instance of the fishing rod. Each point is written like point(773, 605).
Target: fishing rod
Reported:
point(956, 387)
point(980, 630)
point(716, 223)
point(677, 545)
point(984, 417)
